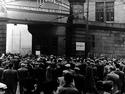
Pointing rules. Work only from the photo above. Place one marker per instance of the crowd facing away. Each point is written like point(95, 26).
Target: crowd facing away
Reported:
point(60, 75)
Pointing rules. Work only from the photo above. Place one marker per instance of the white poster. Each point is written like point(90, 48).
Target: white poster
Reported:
point(80, 46)
point(37, 52)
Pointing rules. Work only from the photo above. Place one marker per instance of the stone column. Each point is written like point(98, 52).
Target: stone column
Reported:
point(76, 13)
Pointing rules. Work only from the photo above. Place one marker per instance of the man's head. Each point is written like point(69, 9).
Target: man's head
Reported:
point(68, 77)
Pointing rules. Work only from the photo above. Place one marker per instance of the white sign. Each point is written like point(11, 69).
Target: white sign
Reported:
point(37, 52)
point(80, 46)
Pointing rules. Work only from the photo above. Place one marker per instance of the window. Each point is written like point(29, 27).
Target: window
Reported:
point(100, 11)
point(104, 11)
point(109, 11)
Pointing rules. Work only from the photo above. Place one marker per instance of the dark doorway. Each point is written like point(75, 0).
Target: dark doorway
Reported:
point(44, 38)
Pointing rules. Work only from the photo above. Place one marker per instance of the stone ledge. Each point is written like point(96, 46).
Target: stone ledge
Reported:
point(101, 24)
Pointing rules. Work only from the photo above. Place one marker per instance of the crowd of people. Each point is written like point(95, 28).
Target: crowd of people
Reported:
point(61, 75)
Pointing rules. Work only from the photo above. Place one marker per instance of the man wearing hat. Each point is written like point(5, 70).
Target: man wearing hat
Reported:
point(79, 80)
point(68, 68)
point(67, 88)
point(10, 78)
point(23, 75)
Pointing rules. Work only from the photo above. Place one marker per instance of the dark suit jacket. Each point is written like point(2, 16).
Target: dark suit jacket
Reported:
point(22, 74)
point(1, 73)
point(10, 77)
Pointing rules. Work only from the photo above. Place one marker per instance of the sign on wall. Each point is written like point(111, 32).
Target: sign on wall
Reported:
point(80, 46)
point(37, 52)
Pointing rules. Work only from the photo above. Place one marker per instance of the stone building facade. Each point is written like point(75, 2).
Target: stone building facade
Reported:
point(108, 41)
point(104, 36)
point(117, 6)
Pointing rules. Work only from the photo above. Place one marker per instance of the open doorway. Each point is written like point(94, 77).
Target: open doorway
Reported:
point(18, 39)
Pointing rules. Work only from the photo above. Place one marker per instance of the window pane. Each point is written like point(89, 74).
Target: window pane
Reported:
point(109, 11)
